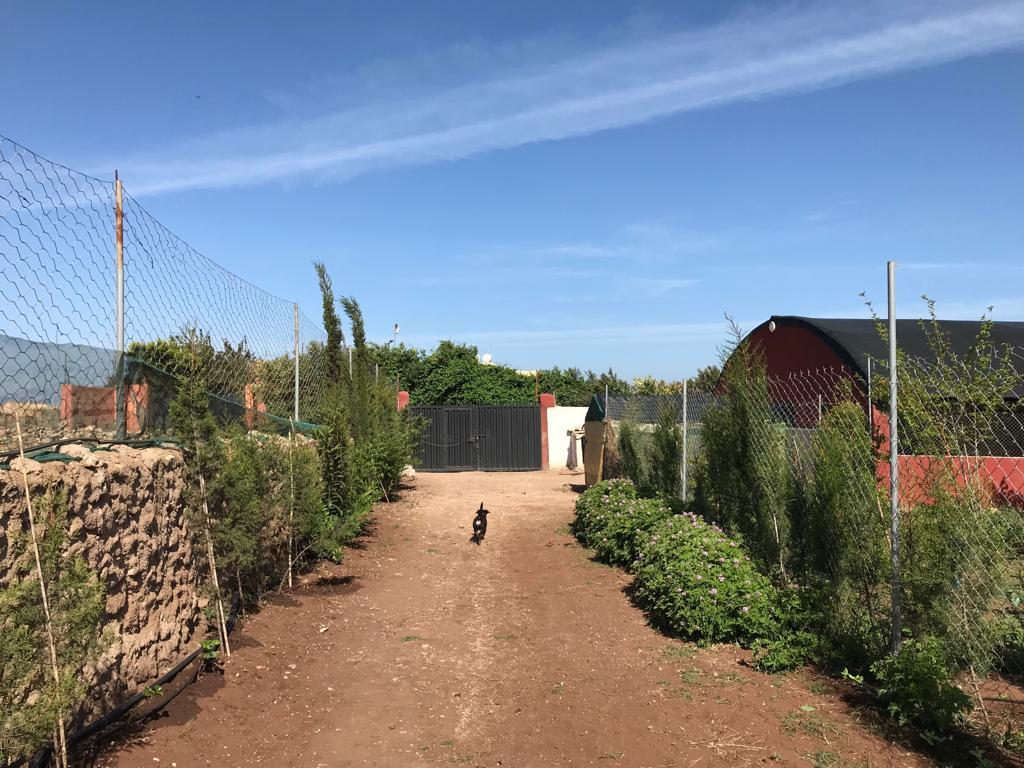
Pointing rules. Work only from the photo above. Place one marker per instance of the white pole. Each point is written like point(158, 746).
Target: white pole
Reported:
point(296, 414)
point(894, 469)
point(686, 456)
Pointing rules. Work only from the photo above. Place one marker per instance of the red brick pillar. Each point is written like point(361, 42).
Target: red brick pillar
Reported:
point(67, 404)
point(546, 401)
point(403, 400)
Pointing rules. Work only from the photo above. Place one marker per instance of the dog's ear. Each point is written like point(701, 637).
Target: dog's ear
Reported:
point(481, 505)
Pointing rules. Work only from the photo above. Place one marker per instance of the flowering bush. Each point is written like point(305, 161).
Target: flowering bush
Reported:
point(700, 584)
point(611, 520)
point(593, 505)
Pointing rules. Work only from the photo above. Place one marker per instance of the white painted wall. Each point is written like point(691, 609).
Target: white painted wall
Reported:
point(561, 419)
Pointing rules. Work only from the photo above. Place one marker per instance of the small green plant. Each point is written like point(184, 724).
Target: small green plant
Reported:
point(1013, 741)
point(807, 720)
point(916, 687)
point(152, 691)
point(209, 651)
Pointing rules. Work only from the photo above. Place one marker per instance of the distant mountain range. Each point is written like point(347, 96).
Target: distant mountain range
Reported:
point(32, 371)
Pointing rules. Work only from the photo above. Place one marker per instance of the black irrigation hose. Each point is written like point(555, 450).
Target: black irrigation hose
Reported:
point(41, 759)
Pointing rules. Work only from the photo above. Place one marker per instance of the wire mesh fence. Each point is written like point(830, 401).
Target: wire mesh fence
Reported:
point(62, 372)
point(800, 466)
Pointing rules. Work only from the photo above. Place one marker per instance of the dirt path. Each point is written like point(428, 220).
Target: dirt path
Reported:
point(425, 648)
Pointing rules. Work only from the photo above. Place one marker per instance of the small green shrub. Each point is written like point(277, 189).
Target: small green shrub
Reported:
point(788, 651)
point(1013, 741)
point(667, 453)
point(622, 523)
point(593, 508)
point(634, 455)
point(916, 687)
point(701, 584)
point(32, 703)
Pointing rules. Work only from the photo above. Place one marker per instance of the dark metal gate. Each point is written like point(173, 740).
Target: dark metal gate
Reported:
point(494, 438)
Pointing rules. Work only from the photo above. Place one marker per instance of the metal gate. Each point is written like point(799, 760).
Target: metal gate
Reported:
point(493, 438)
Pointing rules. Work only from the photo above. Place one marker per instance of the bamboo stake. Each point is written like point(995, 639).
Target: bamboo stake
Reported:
point(55, 668)
point(222, 626)
point(291, 503)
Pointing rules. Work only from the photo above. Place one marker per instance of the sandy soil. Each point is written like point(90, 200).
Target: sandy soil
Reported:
point(426, 648)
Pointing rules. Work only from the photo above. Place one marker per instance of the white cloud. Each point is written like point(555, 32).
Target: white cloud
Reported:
point(748, 57)
point(635, 334)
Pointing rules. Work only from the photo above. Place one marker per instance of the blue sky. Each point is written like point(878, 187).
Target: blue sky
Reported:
point(573, 183)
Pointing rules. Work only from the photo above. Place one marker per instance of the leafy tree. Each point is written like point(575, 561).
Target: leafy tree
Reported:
point(746, 481)
point(648, 385)
point(332, 326)
point(706, 379)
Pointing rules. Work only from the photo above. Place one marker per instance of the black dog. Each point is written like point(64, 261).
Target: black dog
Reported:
point(480, 524)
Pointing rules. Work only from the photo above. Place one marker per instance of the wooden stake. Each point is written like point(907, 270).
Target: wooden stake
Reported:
point(55, 667)
point(222, 624)
point(291, 503)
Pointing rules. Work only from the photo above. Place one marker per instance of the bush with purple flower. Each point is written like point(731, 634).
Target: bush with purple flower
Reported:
point(691, 582)
point(610, 519)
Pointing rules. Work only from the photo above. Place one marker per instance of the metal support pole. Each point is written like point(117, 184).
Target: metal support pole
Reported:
point(119, 397)
point(686, 456)
point(296, 306)
point(894, 469)
point(819, 408)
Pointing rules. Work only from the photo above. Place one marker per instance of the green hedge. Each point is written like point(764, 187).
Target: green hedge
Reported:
point(609, 518)
point(692, 579)
point(700, 584)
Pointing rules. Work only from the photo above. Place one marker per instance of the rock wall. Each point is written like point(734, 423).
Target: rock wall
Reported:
point(127, 517)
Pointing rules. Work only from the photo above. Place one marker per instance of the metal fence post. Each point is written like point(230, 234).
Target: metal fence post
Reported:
point(686, 456)
point(296, 307)
point(894, 470)
point(120, 405)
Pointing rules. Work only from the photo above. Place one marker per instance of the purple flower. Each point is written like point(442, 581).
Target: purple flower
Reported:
point(745, 609)
point(699, 577)
point(714, 591)
point(721, 578)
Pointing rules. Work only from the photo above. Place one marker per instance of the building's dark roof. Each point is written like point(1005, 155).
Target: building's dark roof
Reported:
point(856, 340)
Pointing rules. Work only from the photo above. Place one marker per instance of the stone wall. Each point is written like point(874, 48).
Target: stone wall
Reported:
point(127, 517)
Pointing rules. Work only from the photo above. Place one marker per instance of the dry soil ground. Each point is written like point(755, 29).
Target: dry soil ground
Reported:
point(425, 648)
